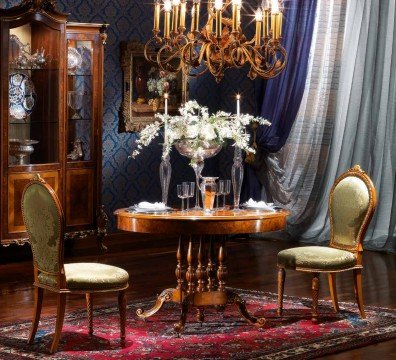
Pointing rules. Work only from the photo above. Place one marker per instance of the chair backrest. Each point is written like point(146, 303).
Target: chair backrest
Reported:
point(44, 221)
point(352, 205)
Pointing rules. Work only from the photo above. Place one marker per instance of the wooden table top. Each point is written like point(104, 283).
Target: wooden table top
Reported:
point(200, 223)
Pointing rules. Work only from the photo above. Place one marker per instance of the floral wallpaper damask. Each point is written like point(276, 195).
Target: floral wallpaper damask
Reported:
point(127, 181)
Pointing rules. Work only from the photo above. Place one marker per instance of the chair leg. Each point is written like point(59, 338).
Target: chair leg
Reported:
point(59, 321)
point(357, 277)
point(89, 298)
point(38, 303)
point(333, 290)
point(122, 308)
point(315, 297)
point(281, 286)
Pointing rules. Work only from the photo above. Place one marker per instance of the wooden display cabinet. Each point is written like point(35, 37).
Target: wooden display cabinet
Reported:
point(51, 100)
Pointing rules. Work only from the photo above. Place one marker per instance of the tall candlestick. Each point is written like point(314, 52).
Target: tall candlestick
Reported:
point(157, 13)
point(183, 8)
point(238, 98)
point(219, 17)
point(167, 9)
point(236, 14)
point(166, 97)
point(259, 21)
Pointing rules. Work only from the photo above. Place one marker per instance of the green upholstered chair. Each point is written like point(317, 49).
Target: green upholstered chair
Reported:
point(351, 207)
point(44, 221)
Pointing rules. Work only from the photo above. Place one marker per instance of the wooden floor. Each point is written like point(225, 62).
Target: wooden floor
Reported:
point(253, 266)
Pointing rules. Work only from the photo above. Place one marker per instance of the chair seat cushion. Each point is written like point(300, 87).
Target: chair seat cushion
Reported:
point(316, 258)
point(90, 276)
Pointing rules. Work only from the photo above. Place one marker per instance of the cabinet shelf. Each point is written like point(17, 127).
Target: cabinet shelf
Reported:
point(33, 123)
point(32, 69)
point(77, 75)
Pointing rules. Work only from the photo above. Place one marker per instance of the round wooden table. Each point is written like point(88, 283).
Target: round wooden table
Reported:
point(201, 272)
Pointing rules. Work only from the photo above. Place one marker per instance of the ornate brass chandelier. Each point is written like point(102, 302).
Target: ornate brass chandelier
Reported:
point(221, 43)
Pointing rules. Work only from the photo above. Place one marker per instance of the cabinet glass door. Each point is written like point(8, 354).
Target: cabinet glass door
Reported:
point(79, 100)
point(35, 74)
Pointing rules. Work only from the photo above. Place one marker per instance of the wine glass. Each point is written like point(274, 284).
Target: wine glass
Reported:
point(75, 99)
point(191, 192)
point(226, 190)
point(183, 192)
point(219, 192)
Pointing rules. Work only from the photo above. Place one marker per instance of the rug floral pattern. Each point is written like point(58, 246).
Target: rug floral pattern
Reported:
point(222, 336)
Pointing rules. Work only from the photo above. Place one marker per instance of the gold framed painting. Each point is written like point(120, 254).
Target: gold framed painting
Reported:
point(144, 85)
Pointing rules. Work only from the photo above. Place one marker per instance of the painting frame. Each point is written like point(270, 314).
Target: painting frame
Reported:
point(136, 109)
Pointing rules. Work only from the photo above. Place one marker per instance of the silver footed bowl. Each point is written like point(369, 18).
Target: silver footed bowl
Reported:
point(206, 151)
point(20, 149)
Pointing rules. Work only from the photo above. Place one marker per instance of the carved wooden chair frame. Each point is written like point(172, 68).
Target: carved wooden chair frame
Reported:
point(356, 171)
point(62, 289)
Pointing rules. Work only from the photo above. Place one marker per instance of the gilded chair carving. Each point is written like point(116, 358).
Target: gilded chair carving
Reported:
point(44, 221)
point(351, 206)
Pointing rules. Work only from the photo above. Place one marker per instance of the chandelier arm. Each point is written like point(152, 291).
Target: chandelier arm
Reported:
point(164, 61)
point(148, 53)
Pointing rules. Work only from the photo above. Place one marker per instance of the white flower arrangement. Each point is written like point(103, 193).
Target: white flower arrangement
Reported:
point(199, 128)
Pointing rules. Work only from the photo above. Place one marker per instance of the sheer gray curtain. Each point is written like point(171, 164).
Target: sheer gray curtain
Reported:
point(364, 131)
point(293, 176)
point(347, 117)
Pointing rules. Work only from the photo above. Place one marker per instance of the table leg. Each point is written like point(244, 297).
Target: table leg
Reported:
point(200, 273)
point(232, 297)
point(175, 295)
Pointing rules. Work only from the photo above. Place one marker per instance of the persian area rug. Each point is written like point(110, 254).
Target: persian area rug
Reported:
point(222, 336)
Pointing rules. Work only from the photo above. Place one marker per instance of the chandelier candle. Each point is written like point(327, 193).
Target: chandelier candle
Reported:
point(167, 9)
point(275, 19)
point(219, 17)
point(236, 15)
point(183, 8)
point(259, 21)
point(210, 17)
point(157, 14)
point(175, 15)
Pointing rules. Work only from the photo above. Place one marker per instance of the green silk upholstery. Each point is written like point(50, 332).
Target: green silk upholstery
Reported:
point(316, 257)
point(90, 276)
point(349, 205)
point(43, 224)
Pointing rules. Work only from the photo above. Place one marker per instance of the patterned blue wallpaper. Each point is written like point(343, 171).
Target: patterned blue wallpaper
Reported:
point(127, 181)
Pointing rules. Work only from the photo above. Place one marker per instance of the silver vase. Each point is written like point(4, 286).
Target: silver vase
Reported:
point(205, 151)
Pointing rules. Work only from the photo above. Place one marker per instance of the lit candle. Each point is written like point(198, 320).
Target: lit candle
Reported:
point(166, 97)
point(175, 15)
point(219, 17)
point(236, 14)
point(275, 19)
point(280, 21)
point(265, 7)
point(183, 8)
point(238, 98)
point(259, 21)
point(157, 13)
point(167, 9)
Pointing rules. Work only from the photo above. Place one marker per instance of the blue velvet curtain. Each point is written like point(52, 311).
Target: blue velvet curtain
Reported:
point(278, 100)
